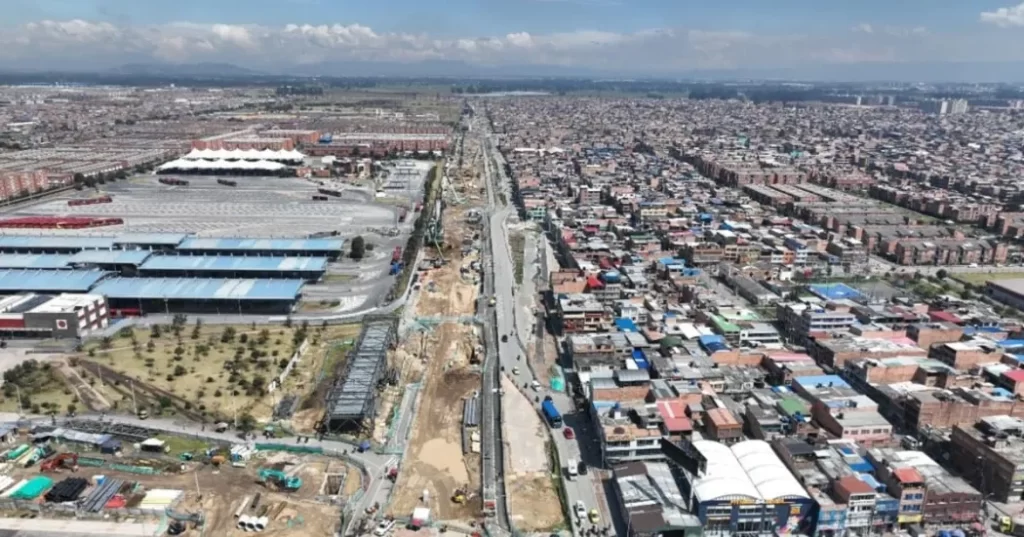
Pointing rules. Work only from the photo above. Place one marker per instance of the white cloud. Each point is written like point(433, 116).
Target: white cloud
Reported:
point(1005, 17)
point(84, 44)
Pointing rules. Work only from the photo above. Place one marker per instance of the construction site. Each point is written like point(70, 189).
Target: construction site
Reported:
point(439, 347)
point(182, 486)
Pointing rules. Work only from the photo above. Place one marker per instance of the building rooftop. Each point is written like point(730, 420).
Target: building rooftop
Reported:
point(49, 281)
point(651, 497)
point(244, 244)
point(749, 469)
point(199, 289)
point(235, 263)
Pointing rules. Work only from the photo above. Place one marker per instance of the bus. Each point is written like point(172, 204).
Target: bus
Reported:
point(551, 413)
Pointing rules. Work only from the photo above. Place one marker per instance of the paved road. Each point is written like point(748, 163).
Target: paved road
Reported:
point(511, 353)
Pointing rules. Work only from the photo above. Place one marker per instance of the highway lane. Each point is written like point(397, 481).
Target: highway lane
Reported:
point(512, 352)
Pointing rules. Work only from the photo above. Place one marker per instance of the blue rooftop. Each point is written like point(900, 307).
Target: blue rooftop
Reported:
point(111, 257)
point(199, 289)
point(810, 381)
point(834, 291)
point(49, 281)
point(166, 239)
point(1009, 343)
point(34, 261)
point(63, 242)
point(625, 325)
point(262, 244)
point(227, 263)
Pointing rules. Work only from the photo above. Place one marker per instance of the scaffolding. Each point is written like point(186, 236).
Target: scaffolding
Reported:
point(352, 401)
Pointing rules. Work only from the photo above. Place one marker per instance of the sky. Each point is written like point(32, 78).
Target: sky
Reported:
point(628, 37)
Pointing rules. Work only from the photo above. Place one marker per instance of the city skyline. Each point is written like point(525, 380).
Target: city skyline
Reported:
point(794, 38)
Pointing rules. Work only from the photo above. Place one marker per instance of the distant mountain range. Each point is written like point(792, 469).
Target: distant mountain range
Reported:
point(183, 69)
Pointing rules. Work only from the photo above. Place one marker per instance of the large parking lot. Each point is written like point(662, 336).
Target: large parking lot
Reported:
point(258, 206)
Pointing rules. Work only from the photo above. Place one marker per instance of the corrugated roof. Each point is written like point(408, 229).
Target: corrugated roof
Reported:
point(168, 239)
point(34, 261)
point(196, 243)
point(229, 263)
point(13, 281)
point(117, 257)
point(64, 242)
point(199, 289)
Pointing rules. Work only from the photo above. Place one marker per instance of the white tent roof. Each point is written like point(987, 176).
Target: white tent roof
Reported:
point(768, 473)
point(244, 154)
point(750, 469)
point(723, 477)
point(182, 164)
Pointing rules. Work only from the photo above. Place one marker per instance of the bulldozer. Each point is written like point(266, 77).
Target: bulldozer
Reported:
point(280, 480)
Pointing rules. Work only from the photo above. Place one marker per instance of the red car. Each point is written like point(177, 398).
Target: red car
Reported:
point(569, 433)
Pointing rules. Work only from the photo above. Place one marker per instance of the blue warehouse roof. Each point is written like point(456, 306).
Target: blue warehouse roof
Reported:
point(49, 280)
point(226, 263)
point(199, 289)
point(56, 241)
point(307, 245)
point(34, 261)
point(115, 257)
point(168, 239)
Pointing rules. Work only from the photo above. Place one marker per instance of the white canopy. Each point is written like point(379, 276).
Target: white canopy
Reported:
point(227, 165)
point(245, 154)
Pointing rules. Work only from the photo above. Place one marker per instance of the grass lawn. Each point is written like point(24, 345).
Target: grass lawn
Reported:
point(181, 444)
point(517, 244)
point(979, 278)
point(221, 369)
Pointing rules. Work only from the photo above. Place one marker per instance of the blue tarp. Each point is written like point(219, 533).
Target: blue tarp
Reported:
point(625, 325)
point(1007, 343)
point(640, 359)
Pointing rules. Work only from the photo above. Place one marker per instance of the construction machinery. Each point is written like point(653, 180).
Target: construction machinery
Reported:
point(279, 479)
point(64, 460)
point(462, 495)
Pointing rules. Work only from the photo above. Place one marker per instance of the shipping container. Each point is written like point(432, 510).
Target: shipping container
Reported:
point(173, 181)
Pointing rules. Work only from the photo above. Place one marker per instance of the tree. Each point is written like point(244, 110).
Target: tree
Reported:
point(941, 274)
point(72, 408)
point(358, 247)
point(246, 422)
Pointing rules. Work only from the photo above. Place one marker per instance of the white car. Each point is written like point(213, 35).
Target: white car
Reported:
point(580, 510)
point(384, 527)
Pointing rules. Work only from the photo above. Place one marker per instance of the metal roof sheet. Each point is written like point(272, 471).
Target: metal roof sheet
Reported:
point(228, 263)
point(169, 239)
point(34, 261)
point(199, 289)
point(118, 257)
point(195, 243)
point(56, 241)
point(49, 280)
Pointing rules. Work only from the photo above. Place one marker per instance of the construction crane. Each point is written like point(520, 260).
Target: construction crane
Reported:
point(280, 479)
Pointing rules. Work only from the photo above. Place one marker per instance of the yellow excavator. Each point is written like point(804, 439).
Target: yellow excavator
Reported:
point(459, 496)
